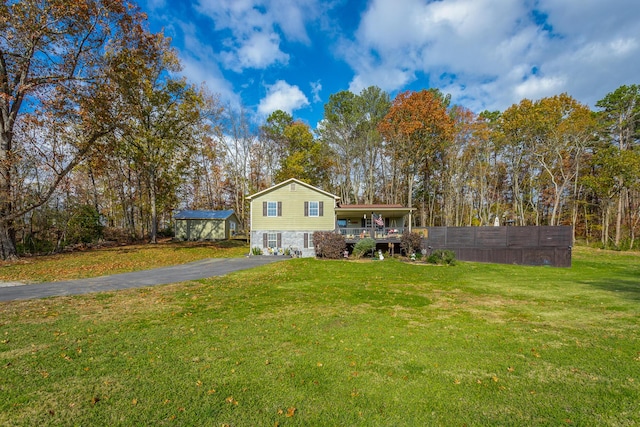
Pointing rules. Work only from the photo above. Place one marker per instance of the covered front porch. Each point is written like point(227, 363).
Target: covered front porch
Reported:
point(383, 223)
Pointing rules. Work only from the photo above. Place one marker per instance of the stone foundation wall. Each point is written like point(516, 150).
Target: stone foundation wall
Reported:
point(292, 240)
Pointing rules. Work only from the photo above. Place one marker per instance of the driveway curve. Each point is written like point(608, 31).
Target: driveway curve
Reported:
point(158, 276)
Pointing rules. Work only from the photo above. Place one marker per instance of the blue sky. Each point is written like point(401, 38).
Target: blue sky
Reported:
point(488, 54)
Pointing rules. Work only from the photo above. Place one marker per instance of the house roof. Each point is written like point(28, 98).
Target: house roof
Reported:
point(289, 181)
point(373, 206)
point(202, 214)
point(359, 210)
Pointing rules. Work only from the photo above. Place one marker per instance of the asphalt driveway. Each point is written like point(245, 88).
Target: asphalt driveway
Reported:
point(159, 276)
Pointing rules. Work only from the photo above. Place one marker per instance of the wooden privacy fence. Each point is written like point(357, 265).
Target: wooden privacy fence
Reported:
point(504, 245)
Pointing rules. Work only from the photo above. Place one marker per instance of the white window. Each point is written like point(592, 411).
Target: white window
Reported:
point(314, 209)
point(272, 208)
point(272, 240)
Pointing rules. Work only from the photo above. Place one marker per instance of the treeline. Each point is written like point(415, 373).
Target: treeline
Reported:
point(553, 161)
point(100, 138)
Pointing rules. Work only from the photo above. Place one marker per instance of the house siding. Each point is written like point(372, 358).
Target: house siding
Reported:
point(205, 228)
point(293, 224)
point(201, 229)
point(292, 216)
point(181, 229)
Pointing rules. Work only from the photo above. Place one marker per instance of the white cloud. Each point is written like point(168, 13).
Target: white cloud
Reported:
point(282, 96)
point(155, 4)
point(539, 87)
point(200, 66)
point(291, 17)
point(316, 87)
point(255, 26)
point(385, 77)
point(398, 40)
point(259, 51)
point(490, 54)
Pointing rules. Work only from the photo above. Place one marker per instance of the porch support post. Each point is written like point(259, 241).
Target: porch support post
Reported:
point(372, 231)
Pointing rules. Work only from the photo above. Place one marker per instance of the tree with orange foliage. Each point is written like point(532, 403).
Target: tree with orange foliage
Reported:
point(416, 130)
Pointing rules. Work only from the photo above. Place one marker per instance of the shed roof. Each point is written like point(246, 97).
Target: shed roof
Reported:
point(189, 214)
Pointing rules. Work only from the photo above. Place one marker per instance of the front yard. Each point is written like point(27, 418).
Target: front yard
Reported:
point(309, 342)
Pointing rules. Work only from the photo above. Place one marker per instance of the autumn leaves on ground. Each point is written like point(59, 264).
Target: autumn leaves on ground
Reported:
point(113, 260)
point(311, 342)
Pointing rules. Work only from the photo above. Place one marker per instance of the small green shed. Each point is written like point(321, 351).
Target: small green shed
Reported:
point(205, 225)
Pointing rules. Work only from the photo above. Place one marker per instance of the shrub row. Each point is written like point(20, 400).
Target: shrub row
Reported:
point(333, 245)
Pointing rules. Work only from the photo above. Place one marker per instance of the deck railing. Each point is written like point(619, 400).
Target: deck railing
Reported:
point(378, 233)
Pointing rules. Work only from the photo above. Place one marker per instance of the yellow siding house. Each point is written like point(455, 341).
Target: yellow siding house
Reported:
point(284, 217)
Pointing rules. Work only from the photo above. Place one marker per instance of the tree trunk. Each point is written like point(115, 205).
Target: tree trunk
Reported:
point(154, 210)
point(410, 190)
point(605, 225)
point(574, 213)
point(587, 231)
point(7, 242)
point(619, 216)
point(7, 236)
point(556, 205)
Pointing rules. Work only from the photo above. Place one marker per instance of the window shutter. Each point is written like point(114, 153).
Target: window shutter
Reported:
point(279, 243)
point(321, 208)
point(264, 208)
point(306, 208)
point(279, 208)
point(265, 240)
point(306, 240)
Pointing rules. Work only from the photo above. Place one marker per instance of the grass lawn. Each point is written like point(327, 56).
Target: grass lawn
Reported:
point(307, 342)
point(112, 260)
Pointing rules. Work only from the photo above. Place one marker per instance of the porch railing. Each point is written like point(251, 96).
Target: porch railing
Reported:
point(378, 233)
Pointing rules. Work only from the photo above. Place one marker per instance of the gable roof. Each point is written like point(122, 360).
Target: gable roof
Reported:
point(297, 182)
point(202, 214)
